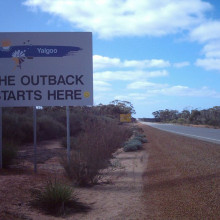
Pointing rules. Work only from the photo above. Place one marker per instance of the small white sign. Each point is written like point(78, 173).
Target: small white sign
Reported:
point(46, 69)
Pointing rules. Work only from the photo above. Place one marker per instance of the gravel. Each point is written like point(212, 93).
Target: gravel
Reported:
point(182, 179)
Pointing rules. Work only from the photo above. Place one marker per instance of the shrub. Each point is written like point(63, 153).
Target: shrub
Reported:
point(83, 168)
point(56, 198)
point(144, 140)
point(18, 128)
point(173, 121)
point(133, 145)
point(213, 122)
point(95, 147)
point(9, 152)
point(48, 128)
point(181, 121)
point(141, 139)
point(74, 143)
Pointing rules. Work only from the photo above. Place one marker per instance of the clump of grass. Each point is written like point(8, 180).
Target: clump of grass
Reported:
point(57, 199)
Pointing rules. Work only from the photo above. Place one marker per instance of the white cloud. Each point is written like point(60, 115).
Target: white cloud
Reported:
point(212, 49)
point(186, 91)
point(133, 97)
point(126, 18)
point(209, 63)
point(207, 31)
point(181, 64)
point(155, 89)
point(118, 75)
point(142, 64)
point(101, 62)
point(100, 86)
point(155, 94)
point(144, 85)
point(156, 73)
point(128, 75)
point(209, 34)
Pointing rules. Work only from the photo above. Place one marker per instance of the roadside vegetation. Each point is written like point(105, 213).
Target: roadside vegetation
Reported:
point(91, 149)
point(96, 134)
point(135, 142)
point(209, 116)
point(86, 125)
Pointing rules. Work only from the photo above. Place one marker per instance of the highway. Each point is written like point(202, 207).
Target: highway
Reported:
point(206, 134)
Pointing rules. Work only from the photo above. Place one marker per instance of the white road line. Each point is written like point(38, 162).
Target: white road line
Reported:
point(191, 135)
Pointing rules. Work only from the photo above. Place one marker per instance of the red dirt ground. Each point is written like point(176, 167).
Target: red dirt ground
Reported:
point(175, 177)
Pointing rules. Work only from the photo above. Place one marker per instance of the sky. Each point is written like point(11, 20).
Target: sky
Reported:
point(156, 54)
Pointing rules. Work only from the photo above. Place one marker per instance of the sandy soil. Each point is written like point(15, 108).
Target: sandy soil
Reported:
point(118, 193)
point(182, 178)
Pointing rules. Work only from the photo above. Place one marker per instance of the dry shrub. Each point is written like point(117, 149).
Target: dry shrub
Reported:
point(95, 147)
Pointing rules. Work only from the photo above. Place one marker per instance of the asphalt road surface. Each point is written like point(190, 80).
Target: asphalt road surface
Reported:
point(206, 134)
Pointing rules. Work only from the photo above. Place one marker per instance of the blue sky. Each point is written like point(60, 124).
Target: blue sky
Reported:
point(156, 54)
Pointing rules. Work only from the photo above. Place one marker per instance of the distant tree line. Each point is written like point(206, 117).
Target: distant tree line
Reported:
point(209, 116)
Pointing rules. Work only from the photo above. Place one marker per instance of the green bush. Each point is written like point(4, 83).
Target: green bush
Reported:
point(141, 139)
point(181, 121)
point(48, 128)
point(133, 145)
point(137, 134)
point(55, 198)
point(213, 122)
point(18, 128)
point(9, 152)
point(144, 140)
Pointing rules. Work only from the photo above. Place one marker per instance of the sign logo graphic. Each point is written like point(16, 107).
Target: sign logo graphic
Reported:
point(21, 52)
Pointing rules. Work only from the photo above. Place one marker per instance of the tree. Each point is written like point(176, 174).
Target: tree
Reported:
point(185, 114)
point(123, 107)
point(194, 117)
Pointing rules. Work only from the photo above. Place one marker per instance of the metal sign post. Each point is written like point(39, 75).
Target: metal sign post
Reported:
point(68, 132)
point(35, 137)
point(0, 137)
